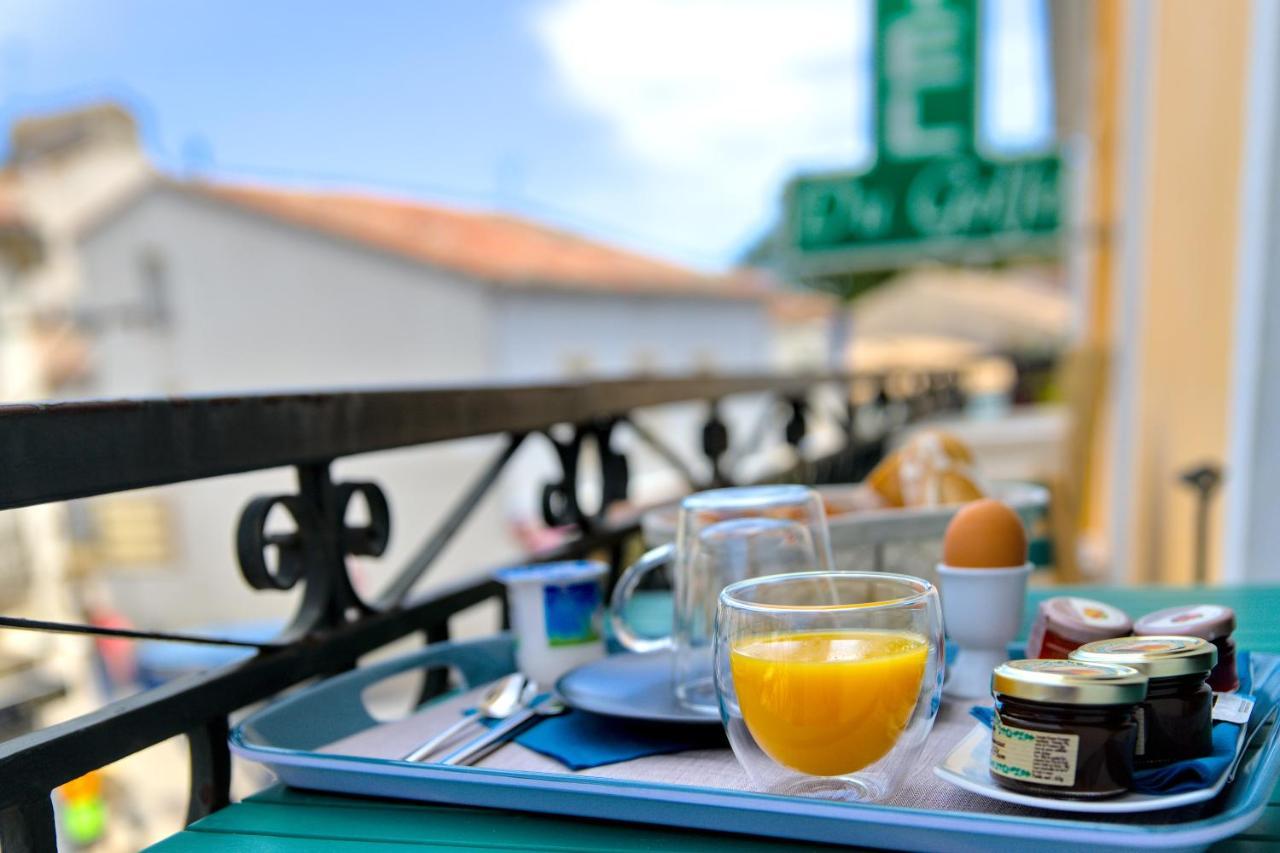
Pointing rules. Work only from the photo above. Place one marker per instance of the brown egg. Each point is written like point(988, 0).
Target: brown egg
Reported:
point(985, 534)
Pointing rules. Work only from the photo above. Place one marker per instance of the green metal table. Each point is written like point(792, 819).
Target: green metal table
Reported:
point(282, 820)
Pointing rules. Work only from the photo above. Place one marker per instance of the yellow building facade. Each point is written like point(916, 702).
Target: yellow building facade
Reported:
point(1175, 106)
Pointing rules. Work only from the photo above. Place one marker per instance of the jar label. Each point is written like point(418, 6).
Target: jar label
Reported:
point(572, 613)
point(1232, 707)
point(1044, 758)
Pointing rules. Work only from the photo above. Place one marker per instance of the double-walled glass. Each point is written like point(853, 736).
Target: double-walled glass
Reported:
point(829, 682)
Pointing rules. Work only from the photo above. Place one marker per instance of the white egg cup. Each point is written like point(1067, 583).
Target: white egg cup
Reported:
point(982, 612)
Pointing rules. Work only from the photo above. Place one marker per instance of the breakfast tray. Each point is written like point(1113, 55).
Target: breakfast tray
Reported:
point(324, 738)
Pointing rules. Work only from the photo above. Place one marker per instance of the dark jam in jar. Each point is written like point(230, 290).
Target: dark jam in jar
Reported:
point(1175, 721)
point(1065, 729)
point(1224, 678)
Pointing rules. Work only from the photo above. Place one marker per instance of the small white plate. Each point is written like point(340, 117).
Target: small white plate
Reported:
point(966, 767)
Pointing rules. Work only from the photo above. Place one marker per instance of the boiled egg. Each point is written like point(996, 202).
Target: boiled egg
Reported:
point(985, 534)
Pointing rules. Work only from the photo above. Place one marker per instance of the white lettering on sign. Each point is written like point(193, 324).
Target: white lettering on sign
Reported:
point(955, 197)
point(862, 211)
point(924, 51)
point(870, 211)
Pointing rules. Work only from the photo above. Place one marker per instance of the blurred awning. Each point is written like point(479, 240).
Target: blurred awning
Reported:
point(991, 311)
point(922, 352)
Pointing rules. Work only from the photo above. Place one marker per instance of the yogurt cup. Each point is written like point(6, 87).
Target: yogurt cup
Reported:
point(557, 614)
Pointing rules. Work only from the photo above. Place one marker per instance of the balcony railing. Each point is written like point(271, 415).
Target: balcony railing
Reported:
point(65, 450)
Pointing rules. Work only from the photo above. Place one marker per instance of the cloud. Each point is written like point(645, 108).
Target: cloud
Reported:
point(718, 99)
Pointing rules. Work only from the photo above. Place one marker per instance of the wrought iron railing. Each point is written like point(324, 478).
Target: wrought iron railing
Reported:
point(59, 451)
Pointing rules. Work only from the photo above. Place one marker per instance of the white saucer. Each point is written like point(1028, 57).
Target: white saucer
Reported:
point(966, 767)
point(636, 686)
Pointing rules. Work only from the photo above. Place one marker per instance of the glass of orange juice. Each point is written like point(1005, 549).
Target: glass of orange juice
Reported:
point(829, 682)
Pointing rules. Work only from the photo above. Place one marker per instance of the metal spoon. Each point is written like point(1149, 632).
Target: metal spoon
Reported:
point(503, 698)
point(549, 706)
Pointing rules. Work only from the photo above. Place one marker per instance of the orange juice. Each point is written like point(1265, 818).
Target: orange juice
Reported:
point(828, 703)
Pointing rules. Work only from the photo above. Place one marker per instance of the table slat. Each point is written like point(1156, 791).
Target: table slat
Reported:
point(444, 826)
point(220, 842)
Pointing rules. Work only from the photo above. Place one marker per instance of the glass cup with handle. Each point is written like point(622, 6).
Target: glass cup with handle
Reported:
point(829, 682)
point(723, 536)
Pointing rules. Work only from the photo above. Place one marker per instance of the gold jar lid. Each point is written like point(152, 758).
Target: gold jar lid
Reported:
point(1157, 656)
point(1069, 682)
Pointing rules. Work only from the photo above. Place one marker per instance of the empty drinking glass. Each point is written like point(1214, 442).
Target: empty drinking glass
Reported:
point(724, 536)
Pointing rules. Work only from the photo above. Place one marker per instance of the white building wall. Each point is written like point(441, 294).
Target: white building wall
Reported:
point(553, 334)
point(547, 335)
point(256, 304)
point(60, 194)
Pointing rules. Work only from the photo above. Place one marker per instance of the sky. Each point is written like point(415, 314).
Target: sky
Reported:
point(667, 126)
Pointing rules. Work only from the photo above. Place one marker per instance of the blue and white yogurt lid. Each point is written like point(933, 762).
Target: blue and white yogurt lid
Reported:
point(553, 574)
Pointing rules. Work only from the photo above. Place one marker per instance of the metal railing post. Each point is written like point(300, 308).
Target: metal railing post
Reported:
point(28, 827)
point(210, 768)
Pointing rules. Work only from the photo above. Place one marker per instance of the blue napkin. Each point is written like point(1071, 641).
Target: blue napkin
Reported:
point(1264, 673)
point(1193, 773)
point(580, 740)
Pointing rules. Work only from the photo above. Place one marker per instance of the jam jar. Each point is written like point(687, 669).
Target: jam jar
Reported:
point(1065, 729)
point(1066, 622)
point(1211, 622)
point(1175, 721)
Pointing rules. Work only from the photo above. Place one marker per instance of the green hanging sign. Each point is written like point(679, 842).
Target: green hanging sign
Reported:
point(931, 194)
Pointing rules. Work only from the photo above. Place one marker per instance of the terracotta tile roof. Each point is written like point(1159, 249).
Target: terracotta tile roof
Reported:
point(490, 247)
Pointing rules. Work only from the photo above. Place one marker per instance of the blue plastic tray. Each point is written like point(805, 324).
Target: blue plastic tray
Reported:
point(285, 735)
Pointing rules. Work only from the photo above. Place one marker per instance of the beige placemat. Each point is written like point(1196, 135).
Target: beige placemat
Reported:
point(711, 768)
